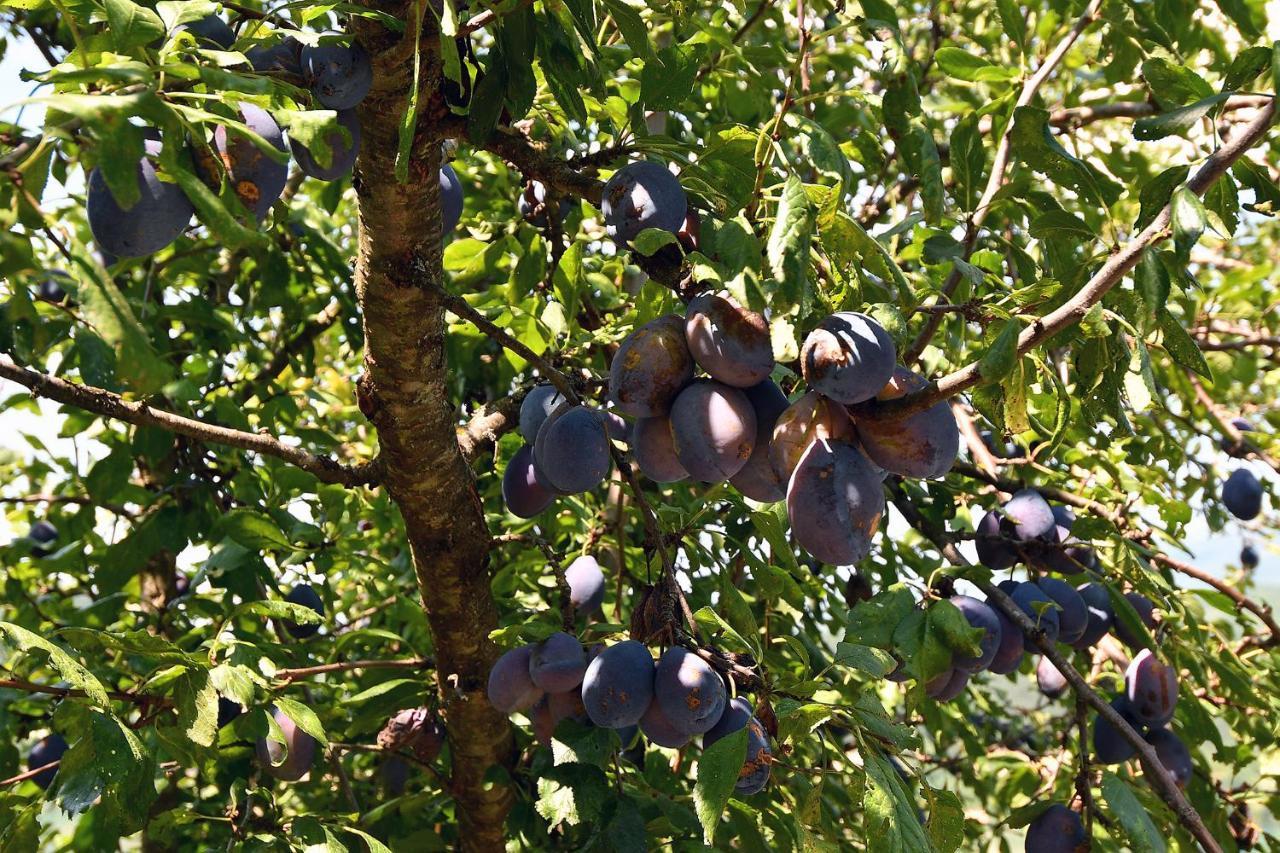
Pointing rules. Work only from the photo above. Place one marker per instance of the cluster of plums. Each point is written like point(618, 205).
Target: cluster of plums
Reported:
point(620, 687)
point(735, 424)
point(339, 77)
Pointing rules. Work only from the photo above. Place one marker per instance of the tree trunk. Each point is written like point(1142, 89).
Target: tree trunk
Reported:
point(404, 393)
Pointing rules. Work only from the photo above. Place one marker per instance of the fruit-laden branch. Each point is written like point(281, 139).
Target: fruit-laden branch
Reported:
point(1091, 293)
point(1139, 534)
point(1160, 778)
point(310, 330)
point(111, 405)
point(1237, 441)
point(999, 165)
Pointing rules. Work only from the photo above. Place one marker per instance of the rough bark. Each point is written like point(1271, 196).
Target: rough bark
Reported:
point(404, 392)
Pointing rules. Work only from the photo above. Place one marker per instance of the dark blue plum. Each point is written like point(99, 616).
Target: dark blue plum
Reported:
point(994, 551)
point(342, 154)
point(1109, 747)
point(1242, 494)
point(571, 453)
point(659, 729)
point(51, 288)
point(1008, 656)
point(42, 534)
point(282, 56)
point(540, 402)
point(1063, 516)
point(849, 357)
point(586, 584)
point(757, 479)
point(650, 368)
point(923, 444)
point(739, 714)
point(642, 195)
point(450, 199)
point(834, 502)
point(654, 449)
point(1028, 517)
point(524, 496)
point(46, 751)
point(1049, 679)
point(618, 686)
point(946, 685)
point(257, 180)
point(691, 693)
point(211, 29)
point(305, 595)
point(511, 687)
point(228, 710)
point(1032, 599)
point(1101, 617)
point(1073, 618)
point(532, 205)
point(1249, 557)
point(339, 76)
point(979, 615)
point(1057, 829)
point(1173, 754)
point(730, 342)
point(1151, 687)
point(713, 430)
point(157, 219)
point(558, 663)
point(301, 748)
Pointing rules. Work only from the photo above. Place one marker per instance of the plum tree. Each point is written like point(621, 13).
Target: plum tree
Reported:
point(618, 686)
point(47, 750)
point(849, 357)
point(255, 176)
point(834, 502)
point(1050, 680)
point(42, 535)
point(511, 686)
point(922, 445)
point(1057, 829)
point(642, 195)
point(730, 342)
point(1151, 688)
point(523, 495)
point(981, 616)
point(1242, 494)
point(713, 430)
point(691, 694)
point(1073, 613)
point(155, 220)
point(653, 445)
point(758, 479)
point(304, 594)
point(1173, 754)
point(810, 418)
point(1039, 607)
point(291, 759)
point(586, 584)
point(344, 148)
point(557, 663)
point(650, 368)
point(571, 453)
point(339, 75)
point(1248, 556)
point(1028, 517)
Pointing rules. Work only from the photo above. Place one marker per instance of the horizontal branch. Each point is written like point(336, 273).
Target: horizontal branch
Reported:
point(111, 405)
point(347, 666)
point(29, 774)
point(1075, 117)
point(32, 687)
point(118, 509)
point(1108, 276)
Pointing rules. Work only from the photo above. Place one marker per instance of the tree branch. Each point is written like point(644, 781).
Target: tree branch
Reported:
point(347, 666)
point(999, 166)
point(63, 692)
point(1074, 309)
point(111, 405)
point(1160, 778)
point(489, 424)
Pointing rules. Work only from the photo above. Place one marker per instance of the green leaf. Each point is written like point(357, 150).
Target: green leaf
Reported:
point(409, 120)
point(1188, 220)
point(487, 100)
point(1173, 84)
point(1181, 347)
point(1246, 67)
point(303, 717)
point(1133, 817)
point(70, 670)
point(1036, 146)
point(197, 706)
point(872, 623)
point(1153, 283)
point(105, 308)
point(788, 247)
point(633, 28)
point(1177, 121)
point(968, 161)
point(131, 25)
point(966, 64)
point(1223, 200)
point(713, 623)
point(946, 819)
point(1156, 193)
point(1002, 355)
point(110, 768)
point(669, 76)
point(718, 769)
point(1061, 224)
point(254, 530)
